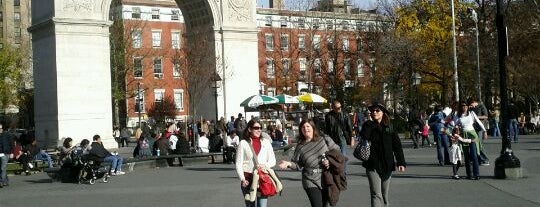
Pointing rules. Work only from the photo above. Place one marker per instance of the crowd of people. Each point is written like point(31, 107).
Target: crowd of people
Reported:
point(322, 147)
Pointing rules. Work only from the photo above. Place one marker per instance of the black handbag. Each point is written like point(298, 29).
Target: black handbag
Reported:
point(362, 150)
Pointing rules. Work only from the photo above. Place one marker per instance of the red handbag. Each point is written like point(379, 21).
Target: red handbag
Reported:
point(266, 185)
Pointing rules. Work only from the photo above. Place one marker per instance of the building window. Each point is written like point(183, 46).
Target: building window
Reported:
point(137, 67)
point(271, 91)
point(1, 16)
point(270, 71)
point(330, 43)
point(136, 13)
point(156, 38)
point(317, 66)
point(283, 21)
point(301, 41)
point(359, 45)
point(346, 66)
point(136, 38)
point(345, 42)
point(303, 65)
point(317, 42)
point(360, 68)
point(179, 99)
point(175, 15)
point(155, 13)
point(159, 95)
point(175, 40)
point(17, 17)
point(329, 24)
point(139, 104)
point(301, 23)
point(316, 23)
point(345, 25)
point(359, 25)
point(285, 66)
point(268, 21)
point(284, 42)
point(269, 39)
point(158, 70)
point(17, 3)
point(371, 46)
point(330, 68)
point(177, 70)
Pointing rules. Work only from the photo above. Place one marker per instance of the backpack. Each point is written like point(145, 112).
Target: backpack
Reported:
point(144, 144)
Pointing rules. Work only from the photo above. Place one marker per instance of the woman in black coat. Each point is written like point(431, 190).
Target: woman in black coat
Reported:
point(385, 146)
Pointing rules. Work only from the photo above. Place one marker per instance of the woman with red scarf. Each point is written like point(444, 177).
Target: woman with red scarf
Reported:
point(261, 143)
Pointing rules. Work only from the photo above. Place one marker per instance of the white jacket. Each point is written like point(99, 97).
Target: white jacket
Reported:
point(244, 160)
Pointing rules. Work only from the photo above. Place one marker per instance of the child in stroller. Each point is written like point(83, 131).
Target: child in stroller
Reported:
point(84, 167)
point(92, 169)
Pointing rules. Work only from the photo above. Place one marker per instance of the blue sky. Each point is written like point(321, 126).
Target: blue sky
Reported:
point(363, 4)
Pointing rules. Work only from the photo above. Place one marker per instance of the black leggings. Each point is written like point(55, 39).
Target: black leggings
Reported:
point(317, 197)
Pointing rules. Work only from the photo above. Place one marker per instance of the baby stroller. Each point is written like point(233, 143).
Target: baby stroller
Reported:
point(91, 170)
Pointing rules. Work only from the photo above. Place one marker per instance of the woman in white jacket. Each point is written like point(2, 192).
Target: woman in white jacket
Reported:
point(262, 145)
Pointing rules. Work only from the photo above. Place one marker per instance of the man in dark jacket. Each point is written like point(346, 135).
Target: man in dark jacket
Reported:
point(6, 148)
point(97, 150)
point(339, 127)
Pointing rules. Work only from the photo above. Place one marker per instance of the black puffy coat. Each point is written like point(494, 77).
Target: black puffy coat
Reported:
point(385, 146)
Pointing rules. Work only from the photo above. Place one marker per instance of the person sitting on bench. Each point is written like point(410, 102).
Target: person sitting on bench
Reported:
point(98, 151)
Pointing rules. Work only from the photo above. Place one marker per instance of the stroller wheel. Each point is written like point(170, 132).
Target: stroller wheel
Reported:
point(92, 181)
point(106, 178)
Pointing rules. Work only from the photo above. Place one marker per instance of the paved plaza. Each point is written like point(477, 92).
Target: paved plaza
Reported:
point(200, 184)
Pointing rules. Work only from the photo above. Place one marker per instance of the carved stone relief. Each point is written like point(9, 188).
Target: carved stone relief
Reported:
point(241, 10)
point(78, 6)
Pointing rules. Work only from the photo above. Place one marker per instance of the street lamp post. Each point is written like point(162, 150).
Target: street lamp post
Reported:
point(506, 165)
point(456, 90)
point(215, 85)
point(417, 78)
point(474, 17)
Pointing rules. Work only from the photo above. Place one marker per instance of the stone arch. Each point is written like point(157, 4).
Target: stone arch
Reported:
point(70, 40)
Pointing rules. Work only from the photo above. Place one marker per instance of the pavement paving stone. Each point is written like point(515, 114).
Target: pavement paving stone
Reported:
point(200, 184)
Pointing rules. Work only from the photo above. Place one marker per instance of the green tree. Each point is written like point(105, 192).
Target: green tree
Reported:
point(162, 110)
point(13, 64)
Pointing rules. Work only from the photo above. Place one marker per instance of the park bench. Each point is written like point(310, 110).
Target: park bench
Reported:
point(212, 156)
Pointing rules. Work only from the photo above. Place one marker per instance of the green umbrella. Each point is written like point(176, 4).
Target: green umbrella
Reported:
point(287, 99)
point(258, 100)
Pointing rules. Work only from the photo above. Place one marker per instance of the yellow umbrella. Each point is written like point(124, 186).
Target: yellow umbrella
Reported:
point(311, 98)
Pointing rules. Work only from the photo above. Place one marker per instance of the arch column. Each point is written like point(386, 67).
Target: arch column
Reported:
point(70, 40)
point(234, 27)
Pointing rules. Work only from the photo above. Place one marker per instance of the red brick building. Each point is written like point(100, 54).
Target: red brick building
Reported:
point(299, 51)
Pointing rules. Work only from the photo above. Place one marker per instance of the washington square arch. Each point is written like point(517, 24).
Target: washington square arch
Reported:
point(72, 76)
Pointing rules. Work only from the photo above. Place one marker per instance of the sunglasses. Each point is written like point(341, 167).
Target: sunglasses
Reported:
point(376, 110)
point(256, 127)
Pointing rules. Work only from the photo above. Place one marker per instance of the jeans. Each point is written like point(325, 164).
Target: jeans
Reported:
point(42, 155)
point(116, 162)
point(482, 157)
point(471, 158)
point(259, 202)
point(343, 147)
point(3, 169)
point(513, 129)
point(496, 130)
point(379, 185)
point(442, 147)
